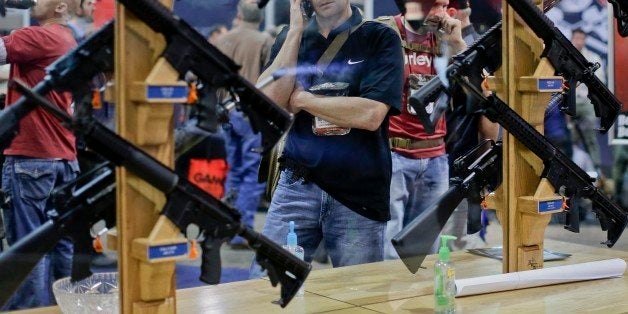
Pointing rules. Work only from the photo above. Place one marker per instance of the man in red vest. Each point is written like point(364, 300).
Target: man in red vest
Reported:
point(419, 163)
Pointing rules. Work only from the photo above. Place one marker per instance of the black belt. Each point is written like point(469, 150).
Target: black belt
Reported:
point(298, 170)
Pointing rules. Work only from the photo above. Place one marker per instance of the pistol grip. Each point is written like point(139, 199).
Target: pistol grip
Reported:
point(572, 218)
point(569, 103)
point(211, 266)
point(474, 214)
point(82, 256)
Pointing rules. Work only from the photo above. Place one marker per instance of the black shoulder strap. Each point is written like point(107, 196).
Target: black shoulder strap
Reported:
point(334, 47)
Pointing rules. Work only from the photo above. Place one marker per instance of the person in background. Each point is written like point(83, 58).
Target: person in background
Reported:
point(620, 175)
point(43, 154)
point(82, 24)
point(215, 32)
point(335, 167)
point(419, 161)
point(584, 124)
point(556, 130)
point(250, 48)
point(461, 10)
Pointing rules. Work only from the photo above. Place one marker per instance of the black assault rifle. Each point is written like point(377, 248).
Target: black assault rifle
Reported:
point(79, 204)
point(566, 177)
point(187, 204)
point(483, 54)
point(477, 172)
point(70, 73)
point(187, 50)
point(570, 63)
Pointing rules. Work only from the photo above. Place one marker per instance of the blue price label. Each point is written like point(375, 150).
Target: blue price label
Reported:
point(166, 92)
point(548, 206)
point(170, 250)
point(550, 84)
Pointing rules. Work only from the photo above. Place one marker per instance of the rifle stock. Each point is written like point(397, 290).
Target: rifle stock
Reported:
point(416, 240)
point(478, 170)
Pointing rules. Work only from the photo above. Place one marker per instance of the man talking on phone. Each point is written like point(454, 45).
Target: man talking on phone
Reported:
point(336, 167)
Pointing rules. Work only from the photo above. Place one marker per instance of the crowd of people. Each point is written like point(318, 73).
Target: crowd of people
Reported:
point(356, 166)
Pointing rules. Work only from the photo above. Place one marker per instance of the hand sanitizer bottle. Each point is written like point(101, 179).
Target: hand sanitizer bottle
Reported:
point(444, 279)
point(294, 248)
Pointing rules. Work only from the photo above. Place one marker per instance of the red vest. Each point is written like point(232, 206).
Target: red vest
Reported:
point(421, 65)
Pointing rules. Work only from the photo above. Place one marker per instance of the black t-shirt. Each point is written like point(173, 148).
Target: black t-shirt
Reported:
point(355, 168)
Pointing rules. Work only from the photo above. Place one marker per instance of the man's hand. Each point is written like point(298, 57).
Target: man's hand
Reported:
point(297, 21)
point(280, 91)
point(450, 32)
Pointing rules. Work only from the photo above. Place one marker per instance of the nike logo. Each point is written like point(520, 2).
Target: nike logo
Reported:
point(354, 62)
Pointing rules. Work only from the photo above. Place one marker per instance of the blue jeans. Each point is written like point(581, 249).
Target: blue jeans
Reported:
point(242, 182)
point(348, 237)
point(28, 182)
point(415, 185)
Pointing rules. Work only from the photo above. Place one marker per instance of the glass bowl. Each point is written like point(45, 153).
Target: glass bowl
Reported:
point(97, 293)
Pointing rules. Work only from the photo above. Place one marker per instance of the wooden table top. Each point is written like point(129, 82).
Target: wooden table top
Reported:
point(389, 287)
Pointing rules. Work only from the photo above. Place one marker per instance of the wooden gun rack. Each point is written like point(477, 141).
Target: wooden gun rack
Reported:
point(148, 244)
point(147, 281)
point(524, 202)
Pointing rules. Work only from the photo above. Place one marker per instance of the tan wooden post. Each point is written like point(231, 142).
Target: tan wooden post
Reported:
point(147, 280)
point(524, 201)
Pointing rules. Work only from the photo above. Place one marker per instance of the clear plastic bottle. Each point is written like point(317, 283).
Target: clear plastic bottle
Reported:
point(294, 248)
point(444, 279)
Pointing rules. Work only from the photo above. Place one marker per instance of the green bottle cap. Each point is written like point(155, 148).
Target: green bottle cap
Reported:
point(443, 252)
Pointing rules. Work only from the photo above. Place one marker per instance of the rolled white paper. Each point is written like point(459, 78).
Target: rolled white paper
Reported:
point(541, 277)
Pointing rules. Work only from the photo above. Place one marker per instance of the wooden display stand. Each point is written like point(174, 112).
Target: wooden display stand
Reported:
point(524, 203)
point(148, 244)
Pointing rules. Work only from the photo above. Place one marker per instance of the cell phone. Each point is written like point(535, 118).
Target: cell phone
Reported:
point(307, 8)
